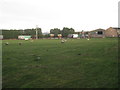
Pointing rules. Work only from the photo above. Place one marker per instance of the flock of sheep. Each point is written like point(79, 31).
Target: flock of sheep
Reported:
point(20, 43)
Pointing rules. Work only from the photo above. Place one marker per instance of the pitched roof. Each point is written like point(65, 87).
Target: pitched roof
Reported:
point(98, 30)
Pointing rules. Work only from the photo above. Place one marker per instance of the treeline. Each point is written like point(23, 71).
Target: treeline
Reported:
point(65, 31)
point(13, 33)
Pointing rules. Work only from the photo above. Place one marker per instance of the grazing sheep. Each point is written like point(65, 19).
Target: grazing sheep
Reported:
point(79, 54)
point(6, 43)
point(37, 58)
point(20, 43)
point(62, 41)
point(65, 40)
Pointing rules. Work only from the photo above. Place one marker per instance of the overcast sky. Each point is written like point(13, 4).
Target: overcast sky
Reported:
point(47, 14)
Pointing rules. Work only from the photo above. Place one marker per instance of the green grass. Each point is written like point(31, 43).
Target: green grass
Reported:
point(78, 63)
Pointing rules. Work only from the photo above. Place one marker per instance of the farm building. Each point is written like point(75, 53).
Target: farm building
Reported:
point(79, 34)
point(111, 32)
point(70, 36)
point(87, 34)
point(75, 35)
point(99, 33)
point(1, 37)
point(83, 34)
point(24, 37)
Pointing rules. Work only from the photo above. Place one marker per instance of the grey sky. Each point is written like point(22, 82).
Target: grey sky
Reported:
point(48, 14)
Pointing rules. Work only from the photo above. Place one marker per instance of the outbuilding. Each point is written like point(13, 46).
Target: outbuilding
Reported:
point(75, 35)
point(70, 36)
point(99, 33)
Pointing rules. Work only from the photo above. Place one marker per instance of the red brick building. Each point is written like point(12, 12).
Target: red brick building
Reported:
point(111, 32)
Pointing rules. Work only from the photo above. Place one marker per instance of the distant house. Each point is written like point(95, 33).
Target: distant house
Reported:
point(112, 32)
point(99, 33)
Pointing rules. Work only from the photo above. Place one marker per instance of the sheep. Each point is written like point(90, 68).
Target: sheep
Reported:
point(62, 41)
point(6, 43)
point(20, 43)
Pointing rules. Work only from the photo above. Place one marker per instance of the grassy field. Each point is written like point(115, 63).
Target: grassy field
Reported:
point(77, 63)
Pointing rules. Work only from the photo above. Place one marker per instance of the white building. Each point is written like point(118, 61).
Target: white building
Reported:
point(1, 37)
point(23, 37)
point(75, 35)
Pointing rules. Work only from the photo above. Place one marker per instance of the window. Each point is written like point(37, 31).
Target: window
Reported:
point(100, 32)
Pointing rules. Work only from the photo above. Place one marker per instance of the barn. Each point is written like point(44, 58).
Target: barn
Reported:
point(98, 33)
point(112, 32)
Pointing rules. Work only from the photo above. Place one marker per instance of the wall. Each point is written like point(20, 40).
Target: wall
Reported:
point(110, 32)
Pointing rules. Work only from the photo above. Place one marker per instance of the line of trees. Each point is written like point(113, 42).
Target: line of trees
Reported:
point(13, 33)
point(65, 31)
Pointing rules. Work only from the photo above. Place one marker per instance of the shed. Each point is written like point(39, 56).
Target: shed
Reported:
point(99, 33)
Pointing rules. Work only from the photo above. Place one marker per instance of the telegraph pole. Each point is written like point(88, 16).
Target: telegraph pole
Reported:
point(36, 32)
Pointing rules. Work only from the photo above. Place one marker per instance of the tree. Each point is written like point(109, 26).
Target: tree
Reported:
point(39, 33)
point(66, 31)
point(71, 31)
point(13, 34)
point(32, 32)
point(55, 31)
